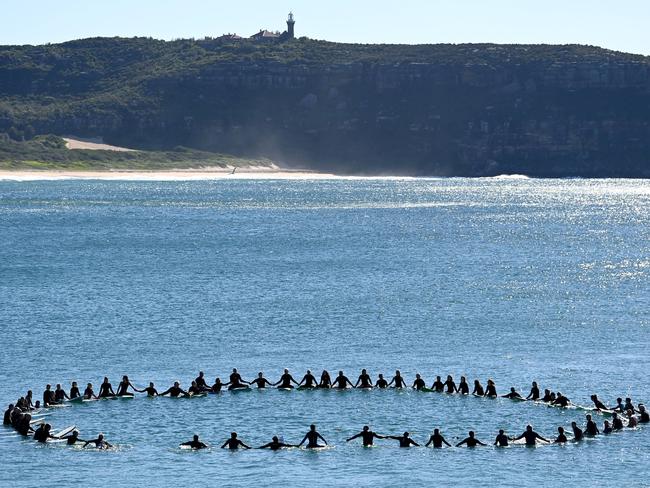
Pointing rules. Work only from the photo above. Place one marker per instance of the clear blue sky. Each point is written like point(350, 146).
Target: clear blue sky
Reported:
point(620, 25)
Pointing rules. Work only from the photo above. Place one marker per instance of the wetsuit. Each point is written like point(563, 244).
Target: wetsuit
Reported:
point(561, 401)
point(275, 445)
point(531, 437)
point(478, 390)
point(285, 381)
point(195, 444)
point(123, 387)
point(194, 390)
point(312, 439)
point(490, 391)
point(547, 397)
point(511, 395)
point(48, 398)
point(591, 428)
point(534, 394)
point(617, 423)
point(451, 386)
point(578, 434)
point(174, 391)
point(309, 381)
point(437, 440)
point(88, 393)
point(365, 381)
point(463, 388)
point(216, 388)
point(399, 382)
point(438, 386)
point(404, 441)
point(501, 440)
point(234, 444)
point(418, 384)
point(599, 405)
point(22, 426)
point(561, 438)
point(6, 420)
point(200, 382)
point(236, 381)
point(341, 382)
point(644, 418)
point(74, 392)
point(151, 391)
point(106, 390)
point(367, 437)
point(261, 382)
point(382, 383)
point(470, 442)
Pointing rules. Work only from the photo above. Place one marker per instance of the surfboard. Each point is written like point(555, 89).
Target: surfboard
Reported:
point(284, 388)
point(78, 399)
point(240, 389)
point(65, 431)
point(36, 422)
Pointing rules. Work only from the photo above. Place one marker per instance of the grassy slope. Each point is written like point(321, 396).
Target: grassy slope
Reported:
point(49, 152)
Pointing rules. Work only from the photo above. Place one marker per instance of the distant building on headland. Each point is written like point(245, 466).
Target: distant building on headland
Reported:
point(265, 35)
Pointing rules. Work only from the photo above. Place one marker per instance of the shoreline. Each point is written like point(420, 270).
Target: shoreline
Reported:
point(249, 173)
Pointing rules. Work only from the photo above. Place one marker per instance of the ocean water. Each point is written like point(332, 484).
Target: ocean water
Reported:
point(510, 279)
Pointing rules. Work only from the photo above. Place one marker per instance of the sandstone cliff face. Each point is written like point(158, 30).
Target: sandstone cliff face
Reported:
point(472, 110)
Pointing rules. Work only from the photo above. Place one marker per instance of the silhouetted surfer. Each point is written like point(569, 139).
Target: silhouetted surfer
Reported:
point(341, 382)
point(364, 380)
point(501, 439)
point(578, 434)
point(6, 420)
point(512, 395)
point(200, 381)
point(418, 384)
point(194, 389)
point(470, 441)
point(28, 400)
point(404, 440)
point(236, 380)
point(100, 442)
point(325, 380)
point(123, 387)
point(450, 385)
point(591, 428)
point(644, 418)
point(195, 443)
point(561, 438)
point(438, 386)
point(48, 396)
point(233, 443)
point(548, 396)
point(150, 390)
point(561, 401)
point(261, 381)
point(285, 380)
point(366, 435)
point(216, 387)
point(22, 424)
point(463, 387)
point(478, 389)
point(308, 381)
point(381, 382)
point(312, 438)
point(437, 440)
point(275, 444)
point(73, 438)
point(89, 393)
point(617, 423)
point(491, 389)
point(175, 391)
point(60, 395)
point(597, 403)
point(534, 392)
point(74, 390)
point(607, 429)
point(619, 406)
point(106, 389)
point(42, 434)
point(397, 380)
point(531, 436)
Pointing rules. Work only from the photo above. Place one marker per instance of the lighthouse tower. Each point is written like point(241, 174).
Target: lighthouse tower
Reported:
point(290, 24)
